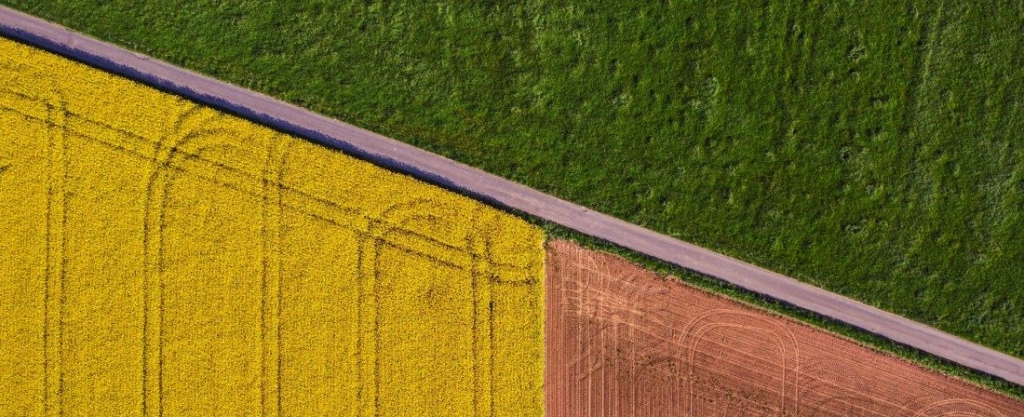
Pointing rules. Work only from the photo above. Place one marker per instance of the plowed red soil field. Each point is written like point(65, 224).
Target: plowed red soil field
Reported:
point(623, 341)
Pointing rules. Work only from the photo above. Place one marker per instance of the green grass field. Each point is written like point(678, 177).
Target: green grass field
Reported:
point(873, 149)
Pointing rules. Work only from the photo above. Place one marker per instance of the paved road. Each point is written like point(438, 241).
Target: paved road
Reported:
point(498, 191)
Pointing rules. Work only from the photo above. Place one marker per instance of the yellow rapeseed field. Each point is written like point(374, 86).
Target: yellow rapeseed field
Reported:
point(161, 258)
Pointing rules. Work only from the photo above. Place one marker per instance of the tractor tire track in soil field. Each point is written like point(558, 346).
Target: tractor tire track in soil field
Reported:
point(623, 341)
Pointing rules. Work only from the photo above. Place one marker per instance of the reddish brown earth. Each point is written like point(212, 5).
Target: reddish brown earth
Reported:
point(623, 341)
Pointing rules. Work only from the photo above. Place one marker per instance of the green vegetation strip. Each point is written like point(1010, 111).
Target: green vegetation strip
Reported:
point(871, 150)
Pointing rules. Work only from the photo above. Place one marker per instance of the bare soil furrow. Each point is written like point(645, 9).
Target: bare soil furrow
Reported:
point(622, 341)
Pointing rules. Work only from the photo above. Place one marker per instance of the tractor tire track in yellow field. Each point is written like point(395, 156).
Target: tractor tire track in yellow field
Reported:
point(196, 263)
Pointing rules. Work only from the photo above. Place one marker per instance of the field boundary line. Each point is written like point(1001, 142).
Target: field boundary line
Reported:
point(446, 173)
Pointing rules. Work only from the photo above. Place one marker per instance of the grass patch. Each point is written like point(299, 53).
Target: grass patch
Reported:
point(872, 150)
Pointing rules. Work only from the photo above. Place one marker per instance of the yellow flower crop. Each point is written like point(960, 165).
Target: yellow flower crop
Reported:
point(158, 257)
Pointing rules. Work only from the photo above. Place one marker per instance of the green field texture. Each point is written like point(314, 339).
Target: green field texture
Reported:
point(871, 149)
